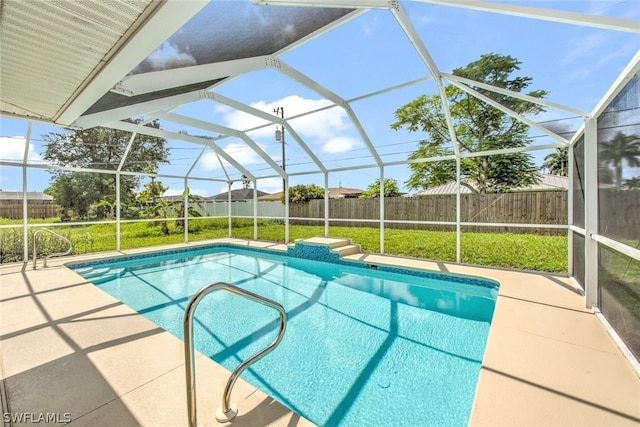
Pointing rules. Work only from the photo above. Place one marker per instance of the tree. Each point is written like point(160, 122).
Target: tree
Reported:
point(75, 191)
point(391, 189)
point(99, 148)
point(621, 148)
point(164, 209)
point(183, 209)
point(478, 127)
point(151, 193)
point(303, 193)
point(557, 163)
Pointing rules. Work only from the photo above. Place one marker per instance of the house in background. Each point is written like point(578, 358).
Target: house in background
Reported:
point(546, 182)
point(240, 194)
point(334, 193)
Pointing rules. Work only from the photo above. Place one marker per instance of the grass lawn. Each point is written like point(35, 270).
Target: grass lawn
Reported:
point(523, 251)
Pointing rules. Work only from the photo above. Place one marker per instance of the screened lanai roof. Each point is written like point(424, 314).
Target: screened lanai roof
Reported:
point(201, 70)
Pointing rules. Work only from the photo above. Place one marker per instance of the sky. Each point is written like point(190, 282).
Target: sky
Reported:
point(576, 65)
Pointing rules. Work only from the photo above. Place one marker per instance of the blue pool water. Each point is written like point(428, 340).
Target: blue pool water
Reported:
point(362, 346)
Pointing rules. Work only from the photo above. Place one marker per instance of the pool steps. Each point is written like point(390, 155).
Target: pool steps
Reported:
point(341, 247)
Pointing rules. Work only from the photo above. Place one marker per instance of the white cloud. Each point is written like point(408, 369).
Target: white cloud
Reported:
point(270, 185)
point(581, 47)
point(12, 149)
point(340, 144)
point(369, 26)
point(586, 54)
point(321, 125)
point(167, 56)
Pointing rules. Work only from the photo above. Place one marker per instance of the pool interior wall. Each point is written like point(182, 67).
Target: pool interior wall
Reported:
point(359, 339)
point(67, 346)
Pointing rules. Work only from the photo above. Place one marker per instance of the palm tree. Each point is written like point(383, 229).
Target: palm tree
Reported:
point(557, 163)
point(622, 148)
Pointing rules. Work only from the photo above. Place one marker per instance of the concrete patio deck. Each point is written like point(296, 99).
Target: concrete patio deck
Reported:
point(69, 349)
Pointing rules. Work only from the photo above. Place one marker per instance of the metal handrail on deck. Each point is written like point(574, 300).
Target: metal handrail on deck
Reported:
point(35, 254)
point(227, 411)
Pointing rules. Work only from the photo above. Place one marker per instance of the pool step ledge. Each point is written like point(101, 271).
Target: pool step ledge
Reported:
point(347, 250)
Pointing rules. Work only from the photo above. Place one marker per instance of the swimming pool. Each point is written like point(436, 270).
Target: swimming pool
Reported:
point(363, 346)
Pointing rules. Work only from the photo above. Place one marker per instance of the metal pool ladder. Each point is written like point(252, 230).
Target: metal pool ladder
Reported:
point(35, 254)
point(227, 411)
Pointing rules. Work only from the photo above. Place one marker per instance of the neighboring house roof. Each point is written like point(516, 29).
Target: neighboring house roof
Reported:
point(239, 194)
point(31, 195)
point(334, 193)
point(547, 182)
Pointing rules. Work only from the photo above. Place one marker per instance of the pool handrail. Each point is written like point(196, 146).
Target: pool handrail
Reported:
point(53, 233)
point(227, 411)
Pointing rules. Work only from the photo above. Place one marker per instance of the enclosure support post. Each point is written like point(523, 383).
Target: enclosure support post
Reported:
point(570, 172)
point(381, 209)
point(326, 204)
point(286, 210)
point(185, 210)
point(117, 201)
point(255, 209)
point(25, 206)
point(591, 211)
point(458, 227)
point(229, 206)
point(117, 211)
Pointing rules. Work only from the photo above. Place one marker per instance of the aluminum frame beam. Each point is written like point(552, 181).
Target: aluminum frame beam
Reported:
point(575, 18)
point(160, 133)
point(268, 117)
point(518, 95)
point(201, 124)
point(408, 28)
point(337, 100)
point(510, 112)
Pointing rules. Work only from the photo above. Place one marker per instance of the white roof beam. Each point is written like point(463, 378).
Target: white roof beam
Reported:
point(158, 80)
point(406, 25)
point(201, 124)
point(318, 88)
point(160, 133)
point(627, 74)
point(148, 33)
point(518, 95)
point(510, 112)
point(223, 168)
point(390, 89)
point(512, 150)
point(115, 114)
point(195, 162)
point(476, 154)
point(269, 117)
point(587, 20)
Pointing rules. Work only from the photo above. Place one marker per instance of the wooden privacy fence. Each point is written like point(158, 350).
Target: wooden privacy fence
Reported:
point(14, 211)
point(548, 207)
